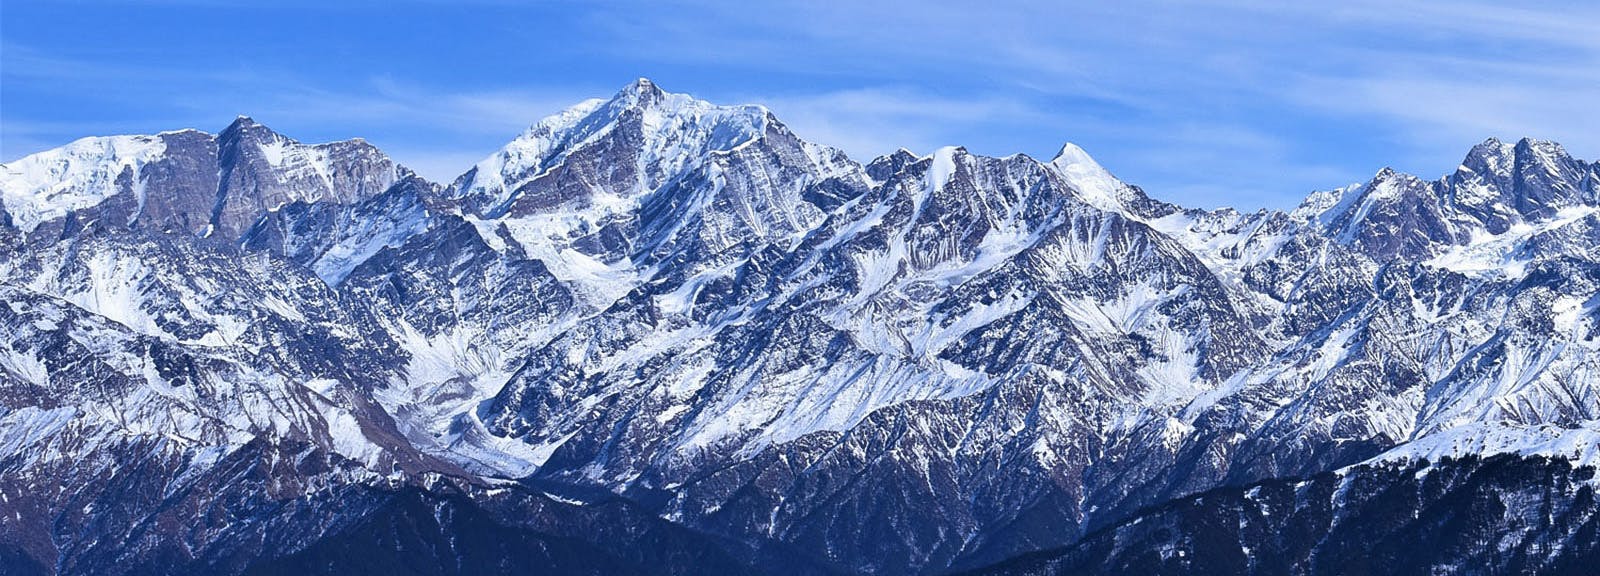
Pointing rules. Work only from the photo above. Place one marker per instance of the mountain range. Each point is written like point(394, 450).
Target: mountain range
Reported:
point(657, 335)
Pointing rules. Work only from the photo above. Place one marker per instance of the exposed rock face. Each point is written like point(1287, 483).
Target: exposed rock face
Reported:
point(189, 181)
point(651, 324)
point(261, 170)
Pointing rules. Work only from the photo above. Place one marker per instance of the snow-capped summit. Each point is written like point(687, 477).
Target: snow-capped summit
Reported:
point(924, 364)
point(884, 167)
point(261, 170)
point(49, 185)
point(1095, 185)
point(190, 181)
point(1504, 184)
point(626, 146)
point(603, 191)
point(1498, 189)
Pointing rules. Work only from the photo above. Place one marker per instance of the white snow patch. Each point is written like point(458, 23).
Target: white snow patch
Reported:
point(943, 167)
point(46, 186)
point(1579, 446)
point(1093, 183)
point(1493, 254)
point(24, 365)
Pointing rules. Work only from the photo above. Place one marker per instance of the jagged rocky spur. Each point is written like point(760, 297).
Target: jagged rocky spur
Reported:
point(653, 334)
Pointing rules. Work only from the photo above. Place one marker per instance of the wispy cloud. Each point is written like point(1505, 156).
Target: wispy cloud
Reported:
point(1200, 101)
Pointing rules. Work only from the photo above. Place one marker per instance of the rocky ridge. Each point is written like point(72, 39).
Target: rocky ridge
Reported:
point(746, 340)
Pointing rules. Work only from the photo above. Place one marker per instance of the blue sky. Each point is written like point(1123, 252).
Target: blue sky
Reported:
point(1205, 103)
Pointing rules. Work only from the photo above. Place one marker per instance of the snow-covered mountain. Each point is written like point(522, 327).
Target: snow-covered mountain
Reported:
point(657, 334)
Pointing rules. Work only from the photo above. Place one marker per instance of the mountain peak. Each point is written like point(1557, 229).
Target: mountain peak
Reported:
point(642, 292)
point(261, 170)
point(1390, 184)
point(243, 122)
point(1496, 157)
point(643, 135)
point(1094, 184)
point(1491, 155)
point(52, 184)
point(883, 167)
point(1544, 151)
point(1073, 154)
point(642, 89)
point(1529, 142)
point(247, 128)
